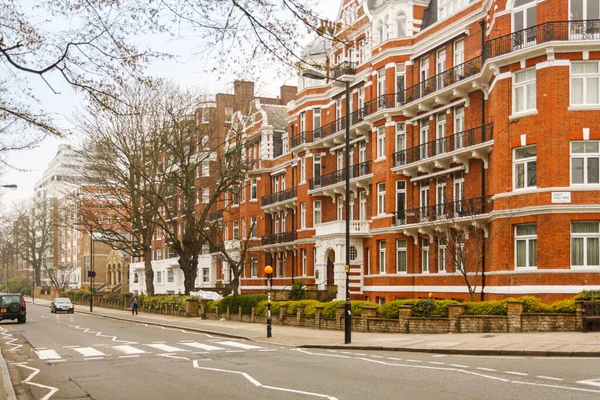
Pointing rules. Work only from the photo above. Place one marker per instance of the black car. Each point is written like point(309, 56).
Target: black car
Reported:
point(12, 306)
point(62, 304)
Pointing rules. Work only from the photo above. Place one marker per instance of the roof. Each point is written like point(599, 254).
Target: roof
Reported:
point(317, 46)
point(276, 116)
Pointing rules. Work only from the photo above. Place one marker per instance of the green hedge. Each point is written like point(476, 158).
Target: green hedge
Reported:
point(485, 308)
point(588, 295)
point(246, 301)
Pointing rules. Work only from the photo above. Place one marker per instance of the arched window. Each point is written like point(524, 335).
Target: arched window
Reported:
point(401, 25)
point(380, 31)
point(387, 29)
point(524, 17)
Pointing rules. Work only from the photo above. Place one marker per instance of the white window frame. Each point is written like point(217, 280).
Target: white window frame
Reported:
point(302, 162)
point(303, 261)
point(401, 254)
point(522, 160)
point(340, 208)
point(381, 143)
point(586, 238)
point(425, 256)
point(205, 168)
point(527, 239)
point(441, 259)
point(253, 189)
point(589, 157)
point(526, 88)
point(381, 198)
point(303, 215)
point(205, 196)
point(587, 80)
point(381, 249)
point(317, 216)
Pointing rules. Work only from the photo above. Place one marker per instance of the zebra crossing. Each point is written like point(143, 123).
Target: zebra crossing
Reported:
point(129, 350)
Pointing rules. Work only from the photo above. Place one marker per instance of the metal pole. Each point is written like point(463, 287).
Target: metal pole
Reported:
point(269, 320)
point(347, 308)
point(32, 284)
point(91, 269)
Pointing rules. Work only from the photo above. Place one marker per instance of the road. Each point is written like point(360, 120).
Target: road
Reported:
point(78, 356)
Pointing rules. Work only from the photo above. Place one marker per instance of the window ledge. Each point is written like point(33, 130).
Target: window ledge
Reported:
point(522, 114)
point(380, 159)
point(527, 190)
point(526, 268)
point(382, 216)
point(583, 107)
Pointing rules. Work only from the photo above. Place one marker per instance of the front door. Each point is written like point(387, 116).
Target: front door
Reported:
point(330, 258)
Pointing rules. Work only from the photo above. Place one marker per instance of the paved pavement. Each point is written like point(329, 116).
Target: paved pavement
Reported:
point(558, 344)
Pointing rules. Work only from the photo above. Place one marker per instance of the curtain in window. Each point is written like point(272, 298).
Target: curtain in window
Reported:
point(521, 253)
point(593, 254)
point(532, 253)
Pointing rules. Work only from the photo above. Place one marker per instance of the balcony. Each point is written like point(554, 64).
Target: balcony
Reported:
point(280, 201)
point(338, 228)
point(458, 148)
point(320, 135)
point(345, 68)
point(278, 238)
point(542, 33)
point(334, 182)
point(453, 211)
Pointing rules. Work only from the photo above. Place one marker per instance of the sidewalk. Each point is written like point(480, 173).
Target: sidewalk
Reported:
point(576, 344)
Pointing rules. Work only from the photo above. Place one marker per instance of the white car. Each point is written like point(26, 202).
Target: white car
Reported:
point(62, 304)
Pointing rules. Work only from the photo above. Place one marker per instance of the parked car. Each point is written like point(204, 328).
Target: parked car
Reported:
point(12, 306)
point(62, 304)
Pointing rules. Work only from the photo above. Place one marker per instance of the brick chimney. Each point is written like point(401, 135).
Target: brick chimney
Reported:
point(243, 89)
point(287, 94)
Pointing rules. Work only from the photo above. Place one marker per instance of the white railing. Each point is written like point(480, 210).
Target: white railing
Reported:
point(339, 227)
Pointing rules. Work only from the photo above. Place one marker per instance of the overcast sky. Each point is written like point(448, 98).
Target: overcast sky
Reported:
point(186, 70)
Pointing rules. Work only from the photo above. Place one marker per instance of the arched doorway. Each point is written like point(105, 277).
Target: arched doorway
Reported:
point(330, 265)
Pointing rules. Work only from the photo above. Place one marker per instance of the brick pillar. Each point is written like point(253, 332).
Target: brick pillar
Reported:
point(282, 312)
point(318, 312)
point(515, 312)
point(579, 315)
point(228, 313)
point(404, 313)
point(339, 315)
point(252, 315)
point(299, 312)
point(191, 308)
point(369, 312)
point(203, 307)
point(454, 313)
point(240, 313)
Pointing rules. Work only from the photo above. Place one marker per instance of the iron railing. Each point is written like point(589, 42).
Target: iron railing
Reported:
point(338, 176)
point(542, 33)
point(345, 68)
point(444, 211)
point(460, 140)
point(279, 196)
point(275, 238)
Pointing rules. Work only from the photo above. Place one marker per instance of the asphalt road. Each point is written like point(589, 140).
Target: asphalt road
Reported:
point(77, 356)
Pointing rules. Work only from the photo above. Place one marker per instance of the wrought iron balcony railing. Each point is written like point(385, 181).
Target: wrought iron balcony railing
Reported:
point(444, 211)
point(284, 195)
point(460, 140)
point(338, 176)
point(276, 238)
point(319, 133)
point(345, 68)
point(542, 33)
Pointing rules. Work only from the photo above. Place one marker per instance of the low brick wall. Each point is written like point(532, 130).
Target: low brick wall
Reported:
point(483, 323)
point(548, 323)
point(428, 325)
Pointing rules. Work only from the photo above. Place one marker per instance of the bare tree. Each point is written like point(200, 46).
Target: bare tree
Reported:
point(60, 276)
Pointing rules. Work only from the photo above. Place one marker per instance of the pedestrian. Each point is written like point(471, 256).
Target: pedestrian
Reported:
point(134, 305)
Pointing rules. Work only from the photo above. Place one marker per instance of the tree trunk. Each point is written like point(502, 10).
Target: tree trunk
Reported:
point(148, 272)
point(38, 280)
point(189, 265)
point(235, 282)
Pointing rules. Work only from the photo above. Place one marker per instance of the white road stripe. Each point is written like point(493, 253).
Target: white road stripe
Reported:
point(133, 356)
point(437, 363)
point(487, 369)
point(459, 365)
point(165, 347)
point(240, 345)
point(89, 352)
point(93, 358)
point(202, 346)
point(48, 355)
point(417, 361)
point(129, 349)
point(516, 373)
point(549, 377)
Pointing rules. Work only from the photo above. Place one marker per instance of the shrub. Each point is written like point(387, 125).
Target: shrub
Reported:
point(212, 306)
point(261, 307)
point(298, 291)
point(588, 295)
point(293, 307)
point(561, 307)
point(423, 308)
point(329, 309)
point(246, 301)
point(390, 310)
point(485, 308)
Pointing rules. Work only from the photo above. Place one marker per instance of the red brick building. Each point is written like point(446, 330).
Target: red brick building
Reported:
point(475, 155)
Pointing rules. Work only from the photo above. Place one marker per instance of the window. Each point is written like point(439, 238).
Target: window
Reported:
point(316, 170)
point(170, 276)
point(400, 255)
point(400, 83)
point(440, 133)
point(526, 245)
point(303, 261)
point(362, 206)
point(582, 10)
point(459, 57)
point(253, 183)
point(243, 189)
point(158, 276)
point(524, 17)
point(381, 142)
point(236, 230)
point(302, 162)
point(585, 241)
point(316, 212)
point(253, 266)
point(524, 167)
point(401, 25)
point(253, 227)
point(440, 66)
point(228, 115)
point(316, 118)
point(425, 255)
point(235, 196)
point(400, 202)
point(205, 275)
point(340, 208)
point(441, 259)
point(205, 196)
point(585, 83)
point(285, 144)
point(136, 278)
point(303, 215)
point(381, 198)
point(400, 136)
point(381, 246)
point(244, 228)
point(524, 91)
point(205, 116)
point(159, 254)
point(424, 138)
point(585, 160)
point(459, 128)
point(205, 168)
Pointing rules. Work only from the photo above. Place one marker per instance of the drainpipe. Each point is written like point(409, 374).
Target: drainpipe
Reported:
point(294, 253)
point(483, 249)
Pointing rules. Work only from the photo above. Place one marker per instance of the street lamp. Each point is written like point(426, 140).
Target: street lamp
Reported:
point(269, 274)
point(11, 187)
point(347, 309)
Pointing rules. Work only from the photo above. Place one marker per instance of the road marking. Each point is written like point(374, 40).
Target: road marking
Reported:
point(556, 387)
point(395, 359)
point(173, 356)
point(160, 341)
point(487, 369)
point(48, 355)
point(516, 373)
point(240, 345)
point(593, 382)
point(165, 347)
point(129, 349)
point(234, 351)
point(439, 355)
point(93, 358)
point(376, 356)
point(359, 354)
point(258, 384)
point(459, 365)
point(549, 377)
point(89, 352)
point(417, 361)
point(202, 346)
point(27, 381)
point(437, 363)
point(132, 356)
point(268, 350)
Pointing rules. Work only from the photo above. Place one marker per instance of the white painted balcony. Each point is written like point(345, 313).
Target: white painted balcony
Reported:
point(337, 228)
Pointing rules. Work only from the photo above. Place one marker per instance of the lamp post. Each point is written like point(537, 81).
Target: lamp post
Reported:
point(269, 274)
point(347, 309)
point(11, 187)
